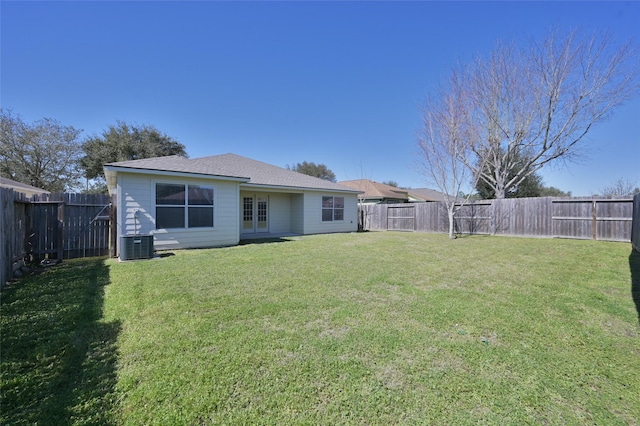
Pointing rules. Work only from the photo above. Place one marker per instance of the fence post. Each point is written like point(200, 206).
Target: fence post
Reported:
point(7, 229)
point(494, 215)
point(635, 224)
point(594, 217)
point(60, 232)
point(113, 227)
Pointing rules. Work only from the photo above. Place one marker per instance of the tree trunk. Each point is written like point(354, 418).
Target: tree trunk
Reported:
point(499, 186)
point(451, 214)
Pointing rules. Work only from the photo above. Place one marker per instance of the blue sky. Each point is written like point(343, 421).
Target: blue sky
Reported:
point(337, 83)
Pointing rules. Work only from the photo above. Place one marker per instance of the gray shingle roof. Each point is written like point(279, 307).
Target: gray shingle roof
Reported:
point(427, 193)
point(232, 165)
point(376, 190)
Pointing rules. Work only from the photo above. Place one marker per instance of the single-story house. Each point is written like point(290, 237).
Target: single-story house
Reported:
point(26, 189)
point(222, 199)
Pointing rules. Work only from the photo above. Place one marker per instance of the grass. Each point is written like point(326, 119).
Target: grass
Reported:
point(58, 354)
point(374, 328)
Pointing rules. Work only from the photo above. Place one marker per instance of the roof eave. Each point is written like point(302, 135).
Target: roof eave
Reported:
point(174, 173)
point(111, 172)
point(296, 188)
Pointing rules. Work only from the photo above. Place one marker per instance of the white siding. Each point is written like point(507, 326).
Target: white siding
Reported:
point(279, 213)
point(297, 213)
point(137, 192)
point(313, 223)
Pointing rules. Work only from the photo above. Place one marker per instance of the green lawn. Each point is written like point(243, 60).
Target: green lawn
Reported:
point(372, 328)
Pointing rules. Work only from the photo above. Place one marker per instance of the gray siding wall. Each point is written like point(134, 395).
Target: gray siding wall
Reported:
point(137, 192)
point(279, 213)
point(313, 223)
point(297, 213)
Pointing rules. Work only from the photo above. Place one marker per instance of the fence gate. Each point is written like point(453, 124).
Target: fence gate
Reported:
point(401, 218)
point(47, 230)
point(66, 226)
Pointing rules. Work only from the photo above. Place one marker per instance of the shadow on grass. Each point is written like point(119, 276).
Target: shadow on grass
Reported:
point(634, 265)
point(264, 240)
point(467, 235)
point(58, 357)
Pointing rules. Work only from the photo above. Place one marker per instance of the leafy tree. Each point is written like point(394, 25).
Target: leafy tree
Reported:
point(43, 154)
point(312, 169)
point(123, 142)
point(552, 191)
point(537, 102)
point(531, 186)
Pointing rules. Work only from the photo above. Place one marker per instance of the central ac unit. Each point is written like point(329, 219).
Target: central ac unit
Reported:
point(136, 247)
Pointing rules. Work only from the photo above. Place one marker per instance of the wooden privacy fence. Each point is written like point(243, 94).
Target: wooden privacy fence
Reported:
point(401, 217)
point(13, 226)
point(583, 218)
point(54, 226)
point(70, 225)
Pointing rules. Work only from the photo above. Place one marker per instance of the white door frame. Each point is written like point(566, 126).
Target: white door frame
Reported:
point(255, 213)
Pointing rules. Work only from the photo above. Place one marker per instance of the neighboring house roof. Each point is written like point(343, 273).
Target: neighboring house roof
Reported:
point(231, 166)
point(24, 188)
point(379, 192)
point(376, 191)
point(427, 194)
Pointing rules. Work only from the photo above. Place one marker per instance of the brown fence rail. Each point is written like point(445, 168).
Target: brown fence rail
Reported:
point(583, 218)
point(54, 226)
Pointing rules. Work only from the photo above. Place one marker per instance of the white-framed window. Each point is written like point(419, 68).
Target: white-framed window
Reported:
point(184, 206)
point(332, 208)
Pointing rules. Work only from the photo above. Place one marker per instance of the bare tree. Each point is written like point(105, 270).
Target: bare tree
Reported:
point(620, 188)
point(444, 148)
point(531, 106)
point(391, 183)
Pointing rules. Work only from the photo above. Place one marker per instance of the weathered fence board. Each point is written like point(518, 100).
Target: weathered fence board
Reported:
point(14, 224)
point(583, 218)
point(76, 225)
point(475, 218)
point(401, 218)
point(87, 230)
point(14, 210)
point(6, 224)
point(522, 216)
point(431, 217)
point(598, 219)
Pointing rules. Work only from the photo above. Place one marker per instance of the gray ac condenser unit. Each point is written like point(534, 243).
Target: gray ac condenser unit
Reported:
point(136, 247)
